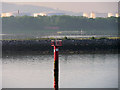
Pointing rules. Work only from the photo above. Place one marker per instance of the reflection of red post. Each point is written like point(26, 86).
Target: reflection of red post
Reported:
point(56, 62)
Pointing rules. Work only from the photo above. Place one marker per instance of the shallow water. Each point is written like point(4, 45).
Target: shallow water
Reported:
point(76, 71)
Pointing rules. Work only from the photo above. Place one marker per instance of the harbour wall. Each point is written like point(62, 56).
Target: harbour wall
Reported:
point(71, 46)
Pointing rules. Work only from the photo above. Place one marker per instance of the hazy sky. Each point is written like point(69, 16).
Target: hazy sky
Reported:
point(60, 0)
point(101, 7)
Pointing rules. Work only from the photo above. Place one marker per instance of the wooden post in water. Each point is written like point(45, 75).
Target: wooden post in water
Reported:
point(56, 68)
point(56, 43)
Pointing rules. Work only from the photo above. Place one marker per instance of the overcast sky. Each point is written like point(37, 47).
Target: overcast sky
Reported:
point(60, 0)
point(100, 7)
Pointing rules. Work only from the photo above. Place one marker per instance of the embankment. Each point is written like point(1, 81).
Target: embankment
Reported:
point(69, 46)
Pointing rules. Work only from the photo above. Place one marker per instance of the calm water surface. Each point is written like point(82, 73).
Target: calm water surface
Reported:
point(76, 71)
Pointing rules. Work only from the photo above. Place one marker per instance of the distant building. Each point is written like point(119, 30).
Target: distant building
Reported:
point(47, 14)
point(39, 14)
point(116, 15)
point(85, 15)
point(6, 14)
point(92, 15)
point(104, 15)
point(15, 14)
point(110, 15)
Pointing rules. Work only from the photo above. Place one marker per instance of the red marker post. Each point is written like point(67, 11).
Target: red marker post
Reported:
point(56, 44)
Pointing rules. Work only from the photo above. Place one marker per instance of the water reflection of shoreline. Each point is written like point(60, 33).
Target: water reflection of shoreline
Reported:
point(92, 58)
point(76, 70)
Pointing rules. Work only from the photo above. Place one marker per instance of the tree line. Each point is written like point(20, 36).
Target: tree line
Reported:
point(60, 23)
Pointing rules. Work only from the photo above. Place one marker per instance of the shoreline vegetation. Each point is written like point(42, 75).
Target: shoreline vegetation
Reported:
point(43, 24)
point(90, 45)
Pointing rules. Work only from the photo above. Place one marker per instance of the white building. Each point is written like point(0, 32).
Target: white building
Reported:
point(47, 14)
point(6, 14)
point(110, 15)
point(85, 15)
point(116, 15)
point(92, 15)
point(39, 14)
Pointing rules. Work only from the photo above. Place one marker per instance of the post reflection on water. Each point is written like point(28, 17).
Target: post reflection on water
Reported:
point(76, 71)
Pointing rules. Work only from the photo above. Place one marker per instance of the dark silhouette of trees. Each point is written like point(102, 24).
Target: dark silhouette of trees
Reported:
point(63, 22)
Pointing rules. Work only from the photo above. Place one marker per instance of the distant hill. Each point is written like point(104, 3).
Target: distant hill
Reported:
point(10, 7)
